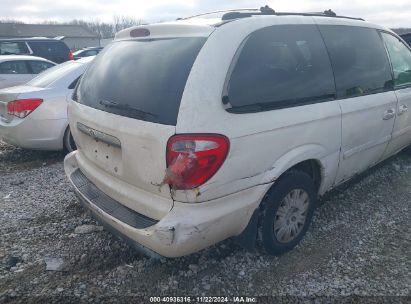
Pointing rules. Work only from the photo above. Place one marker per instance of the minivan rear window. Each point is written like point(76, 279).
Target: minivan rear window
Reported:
point(141, 79)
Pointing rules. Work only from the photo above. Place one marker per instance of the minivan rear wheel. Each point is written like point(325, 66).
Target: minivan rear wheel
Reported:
point(68, 141)
point(287, 212)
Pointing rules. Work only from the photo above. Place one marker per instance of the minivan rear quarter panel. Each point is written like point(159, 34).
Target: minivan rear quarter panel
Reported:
point(264, 144)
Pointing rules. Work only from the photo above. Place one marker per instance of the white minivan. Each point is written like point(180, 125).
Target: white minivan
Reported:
point(232, 124)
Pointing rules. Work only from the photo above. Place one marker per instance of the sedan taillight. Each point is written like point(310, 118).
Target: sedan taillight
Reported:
point(192, 159)
point(23, 107)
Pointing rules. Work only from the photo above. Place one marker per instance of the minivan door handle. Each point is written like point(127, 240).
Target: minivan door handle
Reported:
point(402, 109)
point(390, 113)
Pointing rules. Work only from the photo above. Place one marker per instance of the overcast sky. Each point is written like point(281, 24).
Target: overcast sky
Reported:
point(385, 12)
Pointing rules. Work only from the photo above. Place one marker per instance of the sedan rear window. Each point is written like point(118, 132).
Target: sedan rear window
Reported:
point(14, 67)
point(141, 79)
point(53, 74)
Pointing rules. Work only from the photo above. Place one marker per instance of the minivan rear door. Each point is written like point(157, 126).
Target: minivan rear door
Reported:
point(126, 110)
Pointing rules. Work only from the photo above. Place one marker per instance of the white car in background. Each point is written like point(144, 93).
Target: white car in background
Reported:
point(18, 69)
point(34, 116)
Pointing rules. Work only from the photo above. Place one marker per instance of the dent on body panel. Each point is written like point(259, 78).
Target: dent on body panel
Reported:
point(173, 232)
point(294, 157)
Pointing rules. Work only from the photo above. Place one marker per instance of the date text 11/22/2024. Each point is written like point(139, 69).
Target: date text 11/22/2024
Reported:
point(203, 299)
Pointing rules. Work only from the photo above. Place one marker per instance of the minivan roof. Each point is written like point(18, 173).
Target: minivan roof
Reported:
point(203, 25)
point(264, 11)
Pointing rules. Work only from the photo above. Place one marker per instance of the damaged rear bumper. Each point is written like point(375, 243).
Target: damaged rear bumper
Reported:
point(185, 229)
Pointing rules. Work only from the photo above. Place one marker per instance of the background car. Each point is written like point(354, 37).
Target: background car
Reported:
point(407, 38)
point(34, 116)
point(86, 52)
point(18, 69)
point(48, 48)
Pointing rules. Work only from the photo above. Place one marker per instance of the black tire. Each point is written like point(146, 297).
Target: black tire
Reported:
point(68, 141)
point(293, 180)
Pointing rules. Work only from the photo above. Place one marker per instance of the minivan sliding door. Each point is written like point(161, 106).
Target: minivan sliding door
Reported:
point(364, 89)
point(400, 56)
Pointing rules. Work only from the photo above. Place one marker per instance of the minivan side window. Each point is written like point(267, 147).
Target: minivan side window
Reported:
point(400, 56)
point(278, 67)
point(14, 67)
point(359, 60)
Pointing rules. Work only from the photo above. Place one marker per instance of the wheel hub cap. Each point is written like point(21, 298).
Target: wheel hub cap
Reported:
point(291, 215)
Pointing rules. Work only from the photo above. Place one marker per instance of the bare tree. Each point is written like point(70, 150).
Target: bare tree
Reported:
point(402, 30)
point(123, 22)
point(11, 21)
point(102, 29)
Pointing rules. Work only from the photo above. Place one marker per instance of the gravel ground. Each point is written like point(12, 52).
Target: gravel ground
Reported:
point(357, 246)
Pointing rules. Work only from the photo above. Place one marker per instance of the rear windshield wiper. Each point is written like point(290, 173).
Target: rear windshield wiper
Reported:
point(120, 106)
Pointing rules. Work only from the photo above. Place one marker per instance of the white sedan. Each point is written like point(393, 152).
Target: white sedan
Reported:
point(34, 116)
point(18, 69)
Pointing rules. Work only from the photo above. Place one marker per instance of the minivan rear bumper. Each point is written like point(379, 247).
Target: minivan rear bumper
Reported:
point(185, 229)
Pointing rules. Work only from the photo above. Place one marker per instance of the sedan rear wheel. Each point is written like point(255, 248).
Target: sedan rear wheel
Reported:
point(68, 141)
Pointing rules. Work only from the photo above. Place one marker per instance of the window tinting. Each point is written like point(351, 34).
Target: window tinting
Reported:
point(359, 60)
point(39, 47)
point(39, 66)
point(142, 79)
point(400, 56)
point(280, 66)
point(52, 50)
point(14, 67)
point(407, 39)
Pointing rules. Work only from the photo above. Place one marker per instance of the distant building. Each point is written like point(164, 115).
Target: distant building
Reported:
point(405, 34)
point(105, 41)
point(75, 36)
point(402, 31)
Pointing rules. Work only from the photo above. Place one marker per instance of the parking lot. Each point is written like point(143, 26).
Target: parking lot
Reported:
point(359, 244)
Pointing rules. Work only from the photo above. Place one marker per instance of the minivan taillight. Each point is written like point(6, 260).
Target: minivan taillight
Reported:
point(70, 56)
point(192, 159)
point(23, 107)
